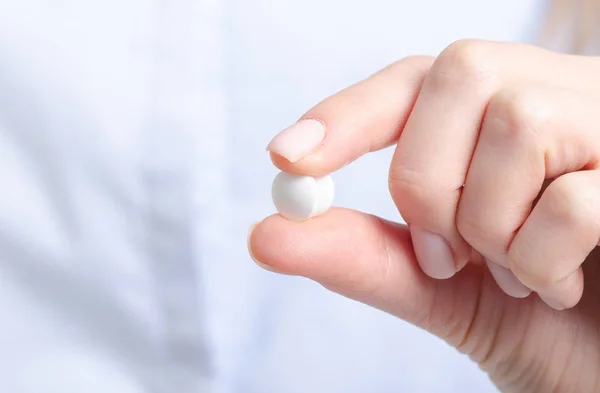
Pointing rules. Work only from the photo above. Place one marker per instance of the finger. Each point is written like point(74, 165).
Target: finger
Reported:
point(432, 157)
point(362, 118)
point(507, 281)
point(529, 134)
point(369, 260)
point(563, 228)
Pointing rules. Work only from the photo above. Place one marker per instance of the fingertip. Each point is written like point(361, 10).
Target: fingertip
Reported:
point(565, 294)
point(282, 244)
point(312, 165)
point(299, 140)
point(552, 302)
point(282, 163)
point(507, 281)
point(433, 253)
point(258, 244)
point(249, 241)
point(252, 254)
point(341, 245)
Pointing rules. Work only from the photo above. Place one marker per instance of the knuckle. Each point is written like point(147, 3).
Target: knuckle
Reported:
point(473, 228)
point(566, 202)
point(417, 62)
point(410, 190)
point(520, 257)
point(465, 61)
point(482, 233)
point(413, 68)
point(516, 113)
point(405, 184)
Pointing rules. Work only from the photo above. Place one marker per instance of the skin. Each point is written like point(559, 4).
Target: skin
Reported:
point(497, 153)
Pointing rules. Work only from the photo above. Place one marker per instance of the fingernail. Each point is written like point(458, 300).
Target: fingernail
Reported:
point(299, 140)
point(552, 302)
point(507, 281)
point(260, 264)
point(433, 253)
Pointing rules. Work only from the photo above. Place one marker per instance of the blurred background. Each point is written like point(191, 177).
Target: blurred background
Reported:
point(132, 162)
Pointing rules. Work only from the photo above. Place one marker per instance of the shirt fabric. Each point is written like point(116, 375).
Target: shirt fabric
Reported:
point(132, 162)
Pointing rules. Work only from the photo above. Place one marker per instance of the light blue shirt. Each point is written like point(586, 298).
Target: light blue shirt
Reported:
point(132, 161)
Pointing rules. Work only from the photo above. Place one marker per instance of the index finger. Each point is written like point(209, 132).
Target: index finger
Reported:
point(365, 117)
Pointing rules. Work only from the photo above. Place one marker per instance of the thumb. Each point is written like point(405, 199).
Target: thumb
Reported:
point(371, 260)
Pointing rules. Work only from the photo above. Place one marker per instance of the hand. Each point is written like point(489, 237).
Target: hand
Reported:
point(481, 130)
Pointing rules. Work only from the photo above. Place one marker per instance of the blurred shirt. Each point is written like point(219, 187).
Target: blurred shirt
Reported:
point(132, 161)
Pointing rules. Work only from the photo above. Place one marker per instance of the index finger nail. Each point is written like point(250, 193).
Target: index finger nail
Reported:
point(298, 140)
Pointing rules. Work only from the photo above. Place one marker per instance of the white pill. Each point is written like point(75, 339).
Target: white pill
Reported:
point(299, 198)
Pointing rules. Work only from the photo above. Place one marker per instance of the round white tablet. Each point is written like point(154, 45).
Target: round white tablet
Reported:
point(299, 198)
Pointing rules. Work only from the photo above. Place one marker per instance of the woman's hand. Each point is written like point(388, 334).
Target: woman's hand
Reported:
point(496, 171)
